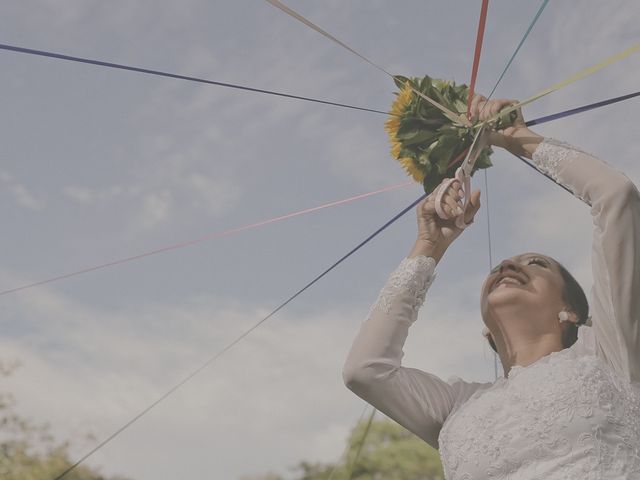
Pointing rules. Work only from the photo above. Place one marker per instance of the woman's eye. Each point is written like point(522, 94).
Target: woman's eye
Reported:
point(533, 260)
point(537, 261)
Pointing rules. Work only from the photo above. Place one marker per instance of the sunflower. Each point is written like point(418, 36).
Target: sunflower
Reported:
point(423, 140)
point(392, 125)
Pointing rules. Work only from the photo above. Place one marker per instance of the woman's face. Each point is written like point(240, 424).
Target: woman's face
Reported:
point(529, 281)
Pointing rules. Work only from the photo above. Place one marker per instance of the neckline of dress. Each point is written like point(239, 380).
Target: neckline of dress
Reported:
point(516, 369)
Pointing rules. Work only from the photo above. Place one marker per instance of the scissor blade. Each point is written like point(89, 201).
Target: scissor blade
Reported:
point(479, 142)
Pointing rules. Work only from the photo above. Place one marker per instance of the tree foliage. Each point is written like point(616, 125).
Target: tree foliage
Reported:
point(29, 451)
point(389, 452)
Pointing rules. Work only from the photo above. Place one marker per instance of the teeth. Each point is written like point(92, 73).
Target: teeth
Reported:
point(509, 280)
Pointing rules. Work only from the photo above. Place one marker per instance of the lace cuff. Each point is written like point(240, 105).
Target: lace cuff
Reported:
point(551, 154)
point(411, 279)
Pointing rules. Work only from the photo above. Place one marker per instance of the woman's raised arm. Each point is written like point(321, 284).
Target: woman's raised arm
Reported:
point(615, 207)
point(415, 399)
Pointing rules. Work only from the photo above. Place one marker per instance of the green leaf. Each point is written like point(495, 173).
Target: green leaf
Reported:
point(400, 81)
point(442, 154)
point(461, 107)
point(407, 134)
point(423, 160)
point(421, 137)
point(428, 111)
point(409, 129)
point(435, 124)
point(429, 138)
point(506, 120)
point(425, 84)
point(426, 167)
point(439, 84)
point(483, 160)
point(408, 152)
point(431, 182)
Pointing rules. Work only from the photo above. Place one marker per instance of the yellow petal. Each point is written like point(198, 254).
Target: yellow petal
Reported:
point(411, 169)
point(396, 147)
point(392, 124)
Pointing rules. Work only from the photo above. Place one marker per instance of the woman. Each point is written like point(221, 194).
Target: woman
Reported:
point(568, 406)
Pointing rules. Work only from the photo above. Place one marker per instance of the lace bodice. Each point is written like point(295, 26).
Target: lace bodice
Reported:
point(566, 416)
point(574, 414)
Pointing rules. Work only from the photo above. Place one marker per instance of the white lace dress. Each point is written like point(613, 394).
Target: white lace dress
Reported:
point(573, 414)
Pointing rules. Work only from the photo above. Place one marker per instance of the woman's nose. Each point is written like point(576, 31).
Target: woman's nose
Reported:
point(508, 264)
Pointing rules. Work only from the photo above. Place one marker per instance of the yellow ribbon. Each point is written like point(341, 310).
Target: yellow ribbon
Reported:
point(573, 78)
point(448, 113)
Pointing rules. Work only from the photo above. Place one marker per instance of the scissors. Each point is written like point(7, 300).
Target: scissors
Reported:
point(463, 175)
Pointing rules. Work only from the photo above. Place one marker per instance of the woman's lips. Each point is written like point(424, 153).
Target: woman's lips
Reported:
point(508, 280)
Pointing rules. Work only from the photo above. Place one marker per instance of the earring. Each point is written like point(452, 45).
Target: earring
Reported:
point(563, 316)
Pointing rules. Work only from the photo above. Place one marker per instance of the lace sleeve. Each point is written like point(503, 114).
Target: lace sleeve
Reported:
point(409, 284)
point(415, 399)
point(615, 207)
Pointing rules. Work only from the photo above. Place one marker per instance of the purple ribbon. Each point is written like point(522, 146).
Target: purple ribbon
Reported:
point(584, 108)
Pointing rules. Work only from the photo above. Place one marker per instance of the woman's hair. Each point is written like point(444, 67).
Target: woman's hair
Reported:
point(576, 300)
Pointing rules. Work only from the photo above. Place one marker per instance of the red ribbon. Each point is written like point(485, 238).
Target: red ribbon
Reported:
point(476, 56)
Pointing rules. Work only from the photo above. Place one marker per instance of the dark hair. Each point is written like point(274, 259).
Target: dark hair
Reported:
point(576, 300)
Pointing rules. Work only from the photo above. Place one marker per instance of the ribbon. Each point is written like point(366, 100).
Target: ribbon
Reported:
point(232, 344)
point(101, 63)
point(584, 108)
point(119, 66)
point(572, 79)
point(203, 239)
point(476, 55)
point(526, 34)
point(454, 117)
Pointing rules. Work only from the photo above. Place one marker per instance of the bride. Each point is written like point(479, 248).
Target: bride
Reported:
point(568, 406)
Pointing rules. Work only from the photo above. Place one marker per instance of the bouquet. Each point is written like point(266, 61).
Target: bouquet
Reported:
point(428, 143)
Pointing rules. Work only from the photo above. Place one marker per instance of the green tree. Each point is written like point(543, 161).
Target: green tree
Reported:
point(389, 452)
point(29, 451)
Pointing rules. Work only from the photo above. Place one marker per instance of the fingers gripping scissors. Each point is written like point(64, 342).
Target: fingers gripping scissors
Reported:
point(463, 175)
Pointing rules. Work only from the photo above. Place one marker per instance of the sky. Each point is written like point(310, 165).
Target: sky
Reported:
point(101, 164)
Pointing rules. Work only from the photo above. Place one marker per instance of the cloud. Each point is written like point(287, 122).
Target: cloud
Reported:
point(20, 193)
point(187, 154)
point(86, 195)
point(90, 370)
point(182, 181)
point(156, 207)
point(360, 154)
point(214, 195)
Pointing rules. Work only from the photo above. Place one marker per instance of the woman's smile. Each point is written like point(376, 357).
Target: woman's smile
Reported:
point(508, 278)
point(508, 282)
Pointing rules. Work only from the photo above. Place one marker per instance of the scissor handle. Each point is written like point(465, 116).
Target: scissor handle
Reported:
point(465, 181)
point(462, 175)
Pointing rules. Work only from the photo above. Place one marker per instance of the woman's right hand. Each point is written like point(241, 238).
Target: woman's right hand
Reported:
point(435, 234)
point(517, 138)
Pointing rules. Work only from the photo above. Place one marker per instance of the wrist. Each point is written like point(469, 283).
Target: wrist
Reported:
point(427, 249)
point(524, 142)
